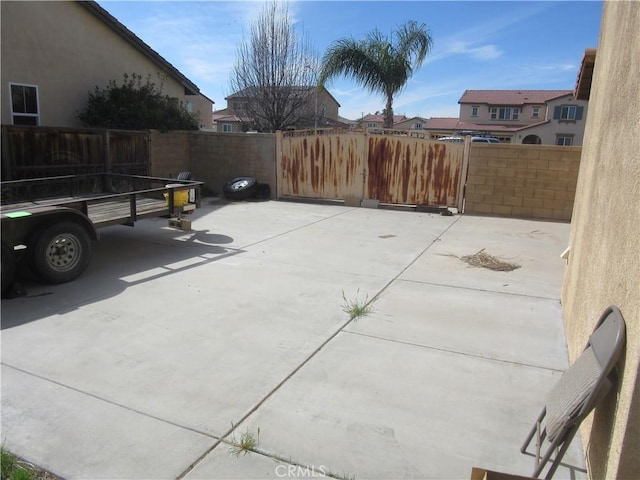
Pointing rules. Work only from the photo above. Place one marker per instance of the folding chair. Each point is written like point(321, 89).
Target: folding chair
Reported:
point(578, 391)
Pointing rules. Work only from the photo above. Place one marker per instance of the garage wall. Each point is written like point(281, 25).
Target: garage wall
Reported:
point(604, 263)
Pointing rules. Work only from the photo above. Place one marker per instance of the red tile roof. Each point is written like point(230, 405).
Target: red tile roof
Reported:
point(511, 97)
point(445, 123)
point(455, 124)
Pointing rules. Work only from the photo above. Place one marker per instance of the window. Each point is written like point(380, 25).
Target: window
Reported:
point(568, 112)
point(504, 113)
point(372, 125)
point(417, 126)
point(535, 112)
point(564, 140)
point(24, 104)
point(474, 111)
point(227, 128)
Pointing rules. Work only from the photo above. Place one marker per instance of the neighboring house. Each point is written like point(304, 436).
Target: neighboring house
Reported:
point(415, 123)
point(320, 110)
point(54, 53)
point(376, 121)
point(351, 124)
point(549, 117)
point(226, 121)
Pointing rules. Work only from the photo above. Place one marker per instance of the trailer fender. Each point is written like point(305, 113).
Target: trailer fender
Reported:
point(19, 227)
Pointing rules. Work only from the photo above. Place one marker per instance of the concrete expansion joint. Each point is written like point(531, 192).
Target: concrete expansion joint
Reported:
point(454, 352)
point(462, 287)
point(110, 402)
point(262, 400)
point(292, 230)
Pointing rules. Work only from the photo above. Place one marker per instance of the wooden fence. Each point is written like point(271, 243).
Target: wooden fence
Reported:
point(29, 152)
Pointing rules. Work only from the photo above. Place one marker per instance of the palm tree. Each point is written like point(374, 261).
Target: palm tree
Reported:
point(377, 63)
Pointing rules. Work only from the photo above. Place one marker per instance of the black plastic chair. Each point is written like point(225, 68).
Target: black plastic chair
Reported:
point(585, 383)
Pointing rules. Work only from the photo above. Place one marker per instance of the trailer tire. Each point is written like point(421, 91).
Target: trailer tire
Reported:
point(240, 188)
point(61, 252)
point(8, 267)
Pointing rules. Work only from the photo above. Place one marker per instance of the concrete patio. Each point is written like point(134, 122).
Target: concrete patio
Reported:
point(174, 344)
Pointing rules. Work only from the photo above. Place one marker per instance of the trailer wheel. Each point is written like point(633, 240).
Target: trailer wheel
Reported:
point(8, 267)
point(61, 252)
point(240, 188)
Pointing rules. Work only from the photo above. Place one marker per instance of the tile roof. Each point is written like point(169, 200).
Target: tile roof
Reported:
point(456, 125)
point(446, 123)
point(231, 118)
point(380, 118)
point(254, 91)
point(511, 97)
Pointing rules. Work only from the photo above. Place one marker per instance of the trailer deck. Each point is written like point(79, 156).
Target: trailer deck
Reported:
point(103, 208)
point(56, 218)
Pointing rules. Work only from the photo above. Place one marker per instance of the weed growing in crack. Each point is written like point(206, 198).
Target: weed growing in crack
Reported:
point(248, 442)
point(356, 308)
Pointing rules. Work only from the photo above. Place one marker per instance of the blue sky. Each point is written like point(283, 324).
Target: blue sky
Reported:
point(477, 45)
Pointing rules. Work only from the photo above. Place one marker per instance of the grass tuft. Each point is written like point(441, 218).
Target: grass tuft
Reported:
point(15, 469)
point(247, 443)
point(356, 308)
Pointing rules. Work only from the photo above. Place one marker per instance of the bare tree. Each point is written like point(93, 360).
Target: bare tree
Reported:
point(275, 74)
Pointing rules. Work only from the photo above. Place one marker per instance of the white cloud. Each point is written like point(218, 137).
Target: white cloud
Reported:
point(564, 67)
point(458, 47)
point(487, 52)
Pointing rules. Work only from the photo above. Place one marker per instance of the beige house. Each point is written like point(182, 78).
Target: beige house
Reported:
point(604, 260)
point(54, 53)
point(225, 121)
point(547, 117)
point(319, 110)
point(376, 121)
point(414, 123)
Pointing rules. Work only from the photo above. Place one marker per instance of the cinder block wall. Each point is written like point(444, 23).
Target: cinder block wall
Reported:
point(169, 153)
point(528, 181)
point(215, 158)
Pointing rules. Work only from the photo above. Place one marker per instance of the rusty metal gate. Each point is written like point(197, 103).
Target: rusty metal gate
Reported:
point(394, 169)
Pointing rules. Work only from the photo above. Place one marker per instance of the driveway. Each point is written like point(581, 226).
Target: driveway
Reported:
point(175, 344)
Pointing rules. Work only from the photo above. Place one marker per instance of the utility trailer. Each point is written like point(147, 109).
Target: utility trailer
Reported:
point(52, 222)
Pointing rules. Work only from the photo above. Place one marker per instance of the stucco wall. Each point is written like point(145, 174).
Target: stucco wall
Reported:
point(529, 181)
point(65, 51)
point(604, 263)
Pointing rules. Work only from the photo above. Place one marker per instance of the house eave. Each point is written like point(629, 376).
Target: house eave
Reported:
point(585, 75)
point(113, 23)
